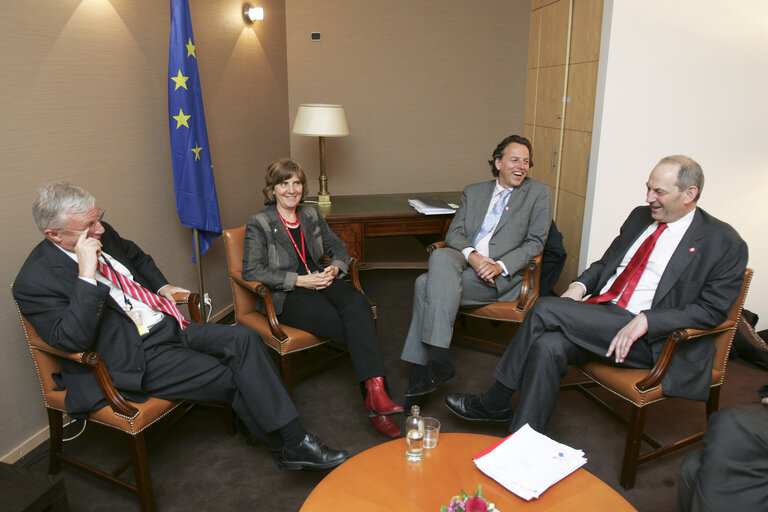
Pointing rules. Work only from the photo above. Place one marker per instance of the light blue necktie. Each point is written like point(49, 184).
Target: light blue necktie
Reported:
point(493, 218)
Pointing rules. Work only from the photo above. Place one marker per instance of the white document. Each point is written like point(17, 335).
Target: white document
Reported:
point(528, 463)
point(427, 209)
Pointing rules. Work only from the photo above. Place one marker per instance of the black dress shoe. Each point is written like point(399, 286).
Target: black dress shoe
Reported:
point(471, 408)
point(310, 454)
point(428, 381)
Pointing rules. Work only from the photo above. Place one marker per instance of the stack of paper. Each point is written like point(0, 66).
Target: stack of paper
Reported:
point(431, 206)
point(528, 463)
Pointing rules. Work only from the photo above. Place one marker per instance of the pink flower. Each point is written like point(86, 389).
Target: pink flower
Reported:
point(455, 505)
point(476, 505)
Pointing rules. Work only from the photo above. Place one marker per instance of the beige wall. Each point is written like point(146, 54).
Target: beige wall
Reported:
point(83, 98)
point(683, 77)
point(429, 88)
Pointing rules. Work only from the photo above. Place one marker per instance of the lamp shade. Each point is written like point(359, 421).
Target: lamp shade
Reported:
point(321, 120)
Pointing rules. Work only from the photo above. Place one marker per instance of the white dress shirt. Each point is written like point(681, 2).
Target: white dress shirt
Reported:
point(642, 297)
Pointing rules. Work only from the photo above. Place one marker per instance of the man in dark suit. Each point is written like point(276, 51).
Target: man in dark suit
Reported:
point(731, 472)
point(500, 225)
point(64, 290)
point(691, 277)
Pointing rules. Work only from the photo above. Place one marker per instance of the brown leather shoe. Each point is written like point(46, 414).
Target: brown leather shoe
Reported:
point(385, 425)
point(377, 400)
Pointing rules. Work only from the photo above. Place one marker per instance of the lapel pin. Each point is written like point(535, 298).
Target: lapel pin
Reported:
point(506, 208)
point(691, 250)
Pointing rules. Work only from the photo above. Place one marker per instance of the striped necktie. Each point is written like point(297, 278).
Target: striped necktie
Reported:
point(140, 293)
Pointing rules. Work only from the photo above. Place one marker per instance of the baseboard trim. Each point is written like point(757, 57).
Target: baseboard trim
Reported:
point(27, 446)
point(221, 314)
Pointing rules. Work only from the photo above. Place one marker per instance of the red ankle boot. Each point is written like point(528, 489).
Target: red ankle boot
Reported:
point(377, 400)
point(385, 425)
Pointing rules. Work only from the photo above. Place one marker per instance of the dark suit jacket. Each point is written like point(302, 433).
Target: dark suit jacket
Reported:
point(271, 258)
point(520, 234)
point(701, 281)
point(72, 315)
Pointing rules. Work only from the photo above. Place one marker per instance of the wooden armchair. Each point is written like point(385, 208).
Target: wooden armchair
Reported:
point(283, 339)
point(501, 311)
point(120, 414)
point(642, 387)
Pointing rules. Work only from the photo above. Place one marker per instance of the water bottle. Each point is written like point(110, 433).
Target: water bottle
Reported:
point(414, 435)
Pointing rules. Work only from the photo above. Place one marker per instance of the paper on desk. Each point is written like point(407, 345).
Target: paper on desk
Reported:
point(528, 463)
point(431, 207)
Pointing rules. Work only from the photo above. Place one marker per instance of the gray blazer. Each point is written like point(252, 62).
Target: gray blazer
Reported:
point(271, 258)
point(520, 234)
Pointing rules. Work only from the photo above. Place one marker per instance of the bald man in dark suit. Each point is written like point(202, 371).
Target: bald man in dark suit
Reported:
point(693, 275)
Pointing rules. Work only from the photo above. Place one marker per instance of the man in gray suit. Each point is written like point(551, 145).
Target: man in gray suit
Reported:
point(693, 270)
point(500, 225)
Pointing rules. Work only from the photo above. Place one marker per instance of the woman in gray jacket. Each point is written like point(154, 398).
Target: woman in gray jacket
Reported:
point(283, 247)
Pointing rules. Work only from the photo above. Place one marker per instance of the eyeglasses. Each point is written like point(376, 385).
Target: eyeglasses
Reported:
point(86, 231)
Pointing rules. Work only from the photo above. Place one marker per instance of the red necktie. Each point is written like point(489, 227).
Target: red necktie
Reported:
point(140, 293)
point(630, 276)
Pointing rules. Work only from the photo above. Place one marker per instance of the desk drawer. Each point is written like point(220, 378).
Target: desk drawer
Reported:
point(417, 226)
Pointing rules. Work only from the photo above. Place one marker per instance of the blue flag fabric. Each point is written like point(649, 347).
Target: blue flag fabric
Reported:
point(196, 199)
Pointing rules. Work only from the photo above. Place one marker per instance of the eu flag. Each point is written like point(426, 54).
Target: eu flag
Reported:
point(192, 169)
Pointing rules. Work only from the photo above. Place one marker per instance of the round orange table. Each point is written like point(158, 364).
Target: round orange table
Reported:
point(381, 479)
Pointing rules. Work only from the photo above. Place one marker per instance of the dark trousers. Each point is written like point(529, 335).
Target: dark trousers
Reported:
point(342, 314)
point(216, 362)
point(557, 332)
point(731, 472)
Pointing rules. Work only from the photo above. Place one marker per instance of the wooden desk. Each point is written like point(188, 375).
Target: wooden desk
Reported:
point(381, 479)
point(355, 218)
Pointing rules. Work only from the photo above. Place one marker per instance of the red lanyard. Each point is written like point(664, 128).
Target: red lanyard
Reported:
point(303, 252)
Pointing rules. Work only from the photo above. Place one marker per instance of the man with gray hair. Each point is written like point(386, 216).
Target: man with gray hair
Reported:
point(672, 265)
point(86, 288)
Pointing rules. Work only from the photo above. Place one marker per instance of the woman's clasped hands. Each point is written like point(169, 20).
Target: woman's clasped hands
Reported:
point(318, 280)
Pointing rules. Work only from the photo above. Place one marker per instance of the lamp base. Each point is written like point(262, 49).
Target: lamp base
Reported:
point(324, 199)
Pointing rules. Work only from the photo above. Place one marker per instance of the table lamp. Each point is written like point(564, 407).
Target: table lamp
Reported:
point(321, 121)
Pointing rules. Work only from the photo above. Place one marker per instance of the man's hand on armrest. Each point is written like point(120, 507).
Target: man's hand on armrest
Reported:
point(168, 290)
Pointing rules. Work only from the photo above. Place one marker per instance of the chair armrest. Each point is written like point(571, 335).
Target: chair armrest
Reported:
point(530, 285)
point(193, 301)
point(436, 245)
point(676, 337)
point(261, 291)
point(118, 404)
point(354, 276)
point(99, 369)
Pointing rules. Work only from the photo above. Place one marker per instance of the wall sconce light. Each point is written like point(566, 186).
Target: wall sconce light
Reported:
point(320, 120)
point(252, 14)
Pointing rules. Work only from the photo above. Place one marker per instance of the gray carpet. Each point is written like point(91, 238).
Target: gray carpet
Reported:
point(199, 467)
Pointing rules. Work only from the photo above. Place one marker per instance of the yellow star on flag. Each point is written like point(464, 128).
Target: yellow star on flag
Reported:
point(190, 48)
point(181, 119)
point(181, 81)
point(196, 150)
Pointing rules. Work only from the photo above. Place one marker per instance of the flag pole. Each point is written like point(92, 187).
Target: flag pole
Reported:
point(199, 265)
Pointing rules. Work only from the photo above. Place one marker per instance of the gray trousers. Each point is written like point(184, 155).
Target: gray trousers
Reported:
point(731, 472)
point(557, 332)
point(449, 283)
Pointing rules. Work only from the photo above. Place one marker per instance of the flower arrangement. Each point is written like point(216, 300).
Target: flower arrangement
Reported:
point(467, 503)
